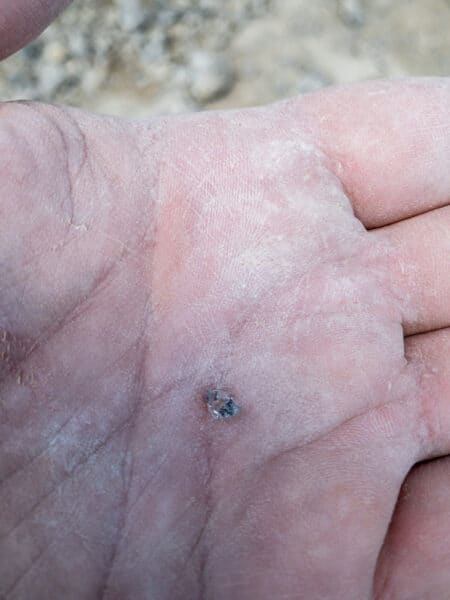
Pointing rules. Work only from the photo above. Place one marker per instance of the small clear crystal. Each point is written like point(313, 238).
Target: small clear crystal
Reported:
point(220, 404)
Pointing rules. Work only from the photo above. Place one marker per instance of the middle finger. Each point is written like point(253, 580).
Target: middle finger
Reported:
point(421, 274)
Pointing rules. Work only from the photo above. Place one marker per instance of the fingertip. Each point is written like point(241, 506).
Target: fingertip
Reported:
point(23, 20)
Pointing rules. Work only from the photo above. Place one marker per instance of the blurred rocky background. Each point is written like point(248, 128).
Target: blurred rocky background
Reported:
point(139, 57)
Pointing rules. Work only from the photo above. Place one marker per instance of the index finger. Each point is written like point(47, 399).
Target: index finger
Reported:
point(390, 142)
point(23, 20)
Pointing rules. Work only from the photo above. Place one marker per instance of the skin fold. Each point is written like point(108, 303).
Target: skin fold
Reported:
point(295, 255)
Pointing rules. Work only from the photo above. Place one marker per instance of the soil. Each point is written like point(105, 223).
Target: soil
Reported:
point(140, 57)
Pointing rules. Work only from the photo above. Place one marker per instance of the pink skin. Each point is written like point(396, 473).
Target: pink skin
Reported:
point(22, 20)
point(268, 252)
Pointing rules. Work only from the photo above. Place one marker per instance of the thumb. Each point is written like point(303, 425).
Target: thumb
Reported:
point(23, 20)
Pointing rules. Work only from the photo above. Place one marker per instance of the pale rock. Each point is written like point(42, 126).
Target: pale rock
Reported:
point(352, 12)
point(54, 52)
point(209, 76)
point(133, 14)
point(51, 77)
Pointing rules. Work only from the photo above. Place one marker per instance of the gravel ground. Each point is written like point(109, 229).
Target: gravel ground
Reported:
point(138, 57)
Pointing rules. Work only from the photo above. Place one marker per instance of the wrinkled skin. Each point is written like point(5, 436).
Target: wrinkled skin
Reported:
point(295, 255)
point(145, 263)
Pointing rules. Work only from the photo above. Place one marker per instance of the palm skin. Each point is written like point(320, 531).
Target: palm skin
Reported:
point(253, 251)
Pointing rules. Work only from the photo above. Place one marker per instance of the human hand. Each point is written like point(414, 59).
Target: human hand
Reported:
point(144, 263)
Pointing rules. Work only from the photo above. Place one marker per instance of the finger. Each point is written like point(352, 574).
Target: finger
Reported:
point(23, 20)
point(390, 141)
point(415, 559)
point(429, 354)
point(422, 272)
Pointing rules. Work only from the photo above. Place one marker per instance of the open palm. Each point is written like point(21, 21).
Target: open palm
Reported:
point(295, 256)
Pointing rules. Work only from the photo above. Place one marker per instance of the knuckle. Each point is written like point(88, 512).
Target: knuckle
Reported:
point(16, 155)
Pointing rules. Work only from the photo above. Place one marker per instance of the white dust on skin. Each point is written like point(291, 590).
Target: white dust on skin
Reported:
point(266, 283)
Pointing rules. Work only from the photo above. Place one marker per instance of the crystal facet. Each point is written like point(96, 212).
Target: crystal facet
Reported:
point(220, 404)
